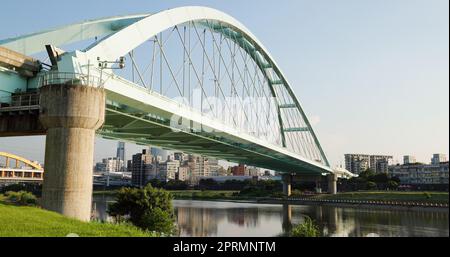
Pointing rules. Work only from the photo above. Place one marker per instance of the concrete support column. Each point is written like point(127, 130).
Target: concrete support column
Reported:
point(318, 185)
point(332, 183)
point(287, 182)
point(71, 114)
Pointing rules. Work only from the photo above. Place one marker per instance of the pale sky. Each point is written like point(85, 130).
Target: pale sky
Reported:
point(373, 75)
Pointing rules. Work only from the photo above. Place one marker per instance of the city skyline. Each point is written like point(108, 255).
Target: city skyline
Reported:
point(380, 87)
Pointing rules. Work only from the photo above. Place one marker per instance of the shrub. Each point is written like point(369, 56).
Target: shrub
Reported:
point(36, 189)
point(306, 229)
point(392, 184)
point(159, 221)
point(21, 197)
point(148, 208)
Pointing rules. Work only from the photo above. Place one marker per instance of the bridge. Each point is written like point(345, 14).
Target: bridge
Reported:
point(190, 79)
point(14, 168)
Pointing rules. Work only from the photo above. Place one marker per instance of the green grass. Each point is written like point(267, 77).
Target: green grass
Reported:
point(423, 197)
point(26, 221)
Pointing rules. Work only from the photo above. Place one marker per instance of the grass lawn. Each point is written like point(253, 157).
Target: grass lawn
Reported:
point(24, 221)
point(429, 197)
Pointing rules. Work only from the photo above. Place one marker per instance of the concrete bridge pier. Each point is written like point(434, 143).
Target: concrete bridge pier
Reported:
point(318, 187)
point(71, 114)
point(287, 184)
point(332, 183)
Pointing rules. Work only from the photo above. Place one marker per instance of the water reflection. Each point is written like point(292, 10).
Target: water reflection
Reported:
point(203, 219)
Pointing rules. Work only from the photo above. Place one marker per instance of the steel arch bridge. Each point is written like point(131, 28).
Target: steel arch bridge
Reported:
point(191, 79)
point(27, 172)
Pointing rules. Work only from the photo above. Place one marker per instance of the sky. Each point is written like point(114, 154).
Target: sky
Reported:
point(372, 75)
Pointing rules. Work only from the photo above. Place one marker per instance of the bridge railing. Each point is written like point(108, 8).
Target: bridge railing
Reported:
point(68, 78)
point(19, 101)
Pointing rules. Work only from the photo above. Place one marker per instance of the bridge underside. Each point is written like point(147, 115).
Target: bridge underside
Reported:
point(139, 128)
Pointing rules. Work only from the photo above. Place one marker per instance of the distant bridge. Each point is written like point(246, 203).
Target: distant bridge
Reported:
point(14, 168)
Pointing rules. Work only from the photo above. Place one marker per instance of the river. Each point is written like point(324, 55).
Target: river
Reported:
point(231, 219)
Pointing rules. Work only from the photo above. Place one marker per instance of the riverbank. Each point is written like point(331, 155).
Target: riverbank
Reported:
point(27, 221)
point(420, 201)
point(389, 196)
point(357, 204)
point(190, 194)
point(376, 197)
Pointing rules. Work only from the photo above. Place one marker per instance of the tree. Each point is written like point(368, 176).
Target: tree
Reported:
point(148, 208)
point(176, 185)
point(158, 220)
point(380, 178)
point(367, 174)
point(208, 184)
point(371, 185)
point(393, 185)
point(157, 183)
point(396, 179)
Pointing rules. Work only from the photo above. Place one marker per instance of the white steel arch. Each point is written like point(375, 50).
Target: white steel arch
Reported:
point(126, 40)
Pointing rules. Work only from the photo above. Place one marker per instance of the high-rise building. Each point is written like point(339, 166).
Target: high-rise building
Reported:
point(252, 171)
point(120, 156)
point(357, 163)
point(238, 170)
point(409, 159)
point(380, 163)
point(159, 154)
point(142, 168)
point(198, 166)
point(214, 167)
point(180, 157)
point(438, 158)
point(130, 165)
point(121, 151)
point(109, 165)
point(168, 170)
point(184, 173)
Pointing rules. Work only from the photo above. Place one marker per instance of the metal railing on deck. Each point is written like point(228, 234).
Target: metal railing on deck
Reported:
point(19, 102)
point(68, 78)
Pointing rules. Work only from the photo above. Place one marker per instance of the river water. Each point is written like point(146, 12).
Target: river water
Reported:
point(231, 219)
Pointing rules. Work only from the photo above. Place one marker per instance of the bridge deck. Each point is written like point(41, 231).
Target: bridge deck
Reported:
point(138, 115)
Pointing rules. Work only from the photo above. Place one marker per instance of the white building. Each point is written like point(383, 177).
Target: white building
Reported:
point(168, 170)
point(438, 158)
point(421, 174)
point(409, 159)
point(184, 173)
point(110, 165)
point(357, 163)
point(252, 172)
